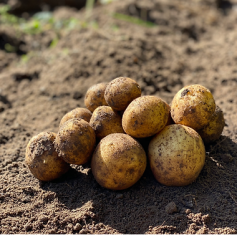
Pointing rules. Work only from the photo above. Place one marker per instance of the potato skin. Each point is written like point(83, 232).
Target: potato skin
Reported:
point(193, 106)
point(106, 121)
point(176, 155)
point(120, 92)
point(82, 113)
point(145, 116)
point(75, 141)
point(42, 158)
point(95, 96)
point(118, 162)
point(212, 131)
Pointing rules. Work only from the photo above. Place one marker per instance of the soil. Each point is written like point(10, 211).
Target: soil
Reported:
point(192, 42)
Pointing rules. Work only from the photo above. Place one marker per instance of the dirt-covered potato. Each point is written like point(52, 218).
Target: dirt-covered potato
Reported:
point(106, 121)
point(120, 92)
point(75, 141)
point(145, 116)
point(118, 162)
point(212, 131)
point(82, 113)
point(42, 158)
point(95, 96)
point(177, 155)
point(193, 106)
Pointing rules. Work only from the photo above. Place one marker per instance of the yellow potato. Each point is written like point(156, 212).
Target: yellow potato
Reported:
point(82, 113)
point(212, 131)
point(106, 121)
point(145, 116)
point(75, 141)
point(42, 158)
point(118, 162)
point(193, 106)
point(120, 92)
point(95, 96)
point(177, 155)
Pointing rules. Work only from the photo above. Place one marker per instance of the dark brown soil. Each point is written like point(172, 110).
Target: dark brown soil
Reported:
point(193, 42)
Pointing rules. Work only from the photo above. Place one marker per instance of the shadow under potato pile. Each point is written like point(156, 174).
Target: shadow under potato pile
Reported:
point(192, 42)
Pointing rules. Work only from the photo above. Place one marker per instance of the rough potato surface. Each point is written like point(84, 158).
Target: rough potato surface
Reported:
point(106, 121)
point(193, 106)
point(120, 92)
point(75, 141)
point(42, 158)
point(145, 116)
point(118, 162)
point(177, 155)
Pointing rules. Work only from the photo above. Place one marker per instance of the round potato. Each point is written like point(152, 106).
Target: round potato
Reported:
point(42, 158)
point(212, 131)
point(177, 155)
point(95, 96)
point(75, 141)
point(118, 162)
point(82, 113)
point(106, 121)
point(120, 92)
point(145, 116)
point(193, 106)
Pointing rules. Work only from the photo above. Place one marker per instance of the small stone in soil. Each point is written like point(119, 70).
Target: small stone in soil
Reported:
point(171, 208)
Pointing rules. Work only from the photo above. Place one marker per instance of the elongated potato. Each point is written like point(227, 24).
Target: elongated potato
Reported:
point(42, 158)
point(177, 155)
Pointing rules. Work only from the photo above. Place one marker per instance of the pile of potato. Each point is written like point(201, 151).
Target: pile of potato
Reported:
point(118, 118)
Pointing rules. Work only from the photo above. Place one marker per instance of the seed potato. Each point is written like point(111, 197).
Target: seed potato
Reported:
point(106, 121)
point(95, 96)
point(75, 141)
point(145, 116)
point(82, 113)
point(193, 106)
point(177, 155)
point(120, 92)
point(118, 162)
point(212, 131)
point(42, 158)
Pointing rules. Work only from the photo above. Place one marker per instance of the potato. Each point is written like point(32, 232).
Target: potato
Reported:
point(118, 162)
point(120, 92)
point(75, 141)
point(82, 113)
point(42, 158)
point(212, 131)
point(177, 155)
point(95, 96)
point(145, 116)
point(193, 106)
point(106, 121)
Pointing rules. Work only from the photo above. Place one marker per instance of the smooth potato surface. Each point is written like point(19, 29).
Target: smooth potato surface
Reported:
point(193, 106)
point(42, 158)
point(75, 141)
point(145, 116)
point(106, 121)
point(120, 92)
point(177, 155)
point(118, 162)
point(95, 96)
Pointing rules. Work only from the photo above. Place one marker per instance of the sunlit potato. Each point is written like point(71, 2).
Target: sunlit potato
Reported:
point(95, 96)
point(42, 158)
point(75, 141)
point(212, 131)
point(120, 92)
point(118, 162)
point(193, 106)
point(82, 113)
point(106, 121)
point(176, 155)
point(145, 116)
